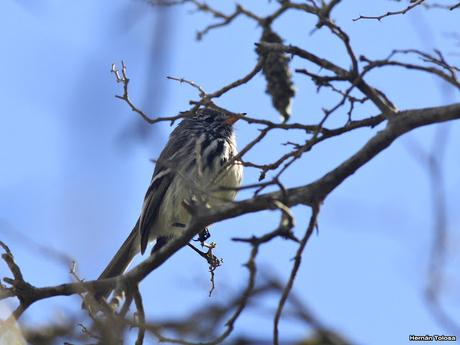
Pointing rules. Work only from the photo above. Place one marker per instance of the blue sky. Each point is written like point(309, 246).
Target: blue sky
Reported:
point(73, 172)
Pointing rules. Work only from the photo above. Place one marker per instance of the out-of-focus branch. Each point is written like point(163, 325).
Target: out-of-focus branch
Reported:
point(19, 287)
point(140, 315)
point(432, 162)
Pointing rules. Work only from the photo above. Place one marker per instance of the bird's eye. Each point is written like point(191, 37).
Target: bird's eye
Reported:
point(209, 119)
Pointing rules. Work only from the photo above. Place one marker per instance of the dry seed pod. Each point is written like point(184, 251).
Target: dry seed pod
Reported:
point(277, 74)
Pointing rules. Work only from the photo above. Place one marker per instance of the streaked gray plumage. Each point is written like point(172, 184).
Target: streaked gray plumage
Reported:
point(189, 166)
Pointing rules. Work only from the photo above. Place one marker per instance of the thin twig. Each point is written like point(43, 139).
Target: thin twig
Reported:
point(392, 13)
point(295, 268)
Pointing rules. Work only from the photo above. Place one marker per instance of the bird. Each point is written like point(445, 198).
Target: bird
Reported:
point(197, 162)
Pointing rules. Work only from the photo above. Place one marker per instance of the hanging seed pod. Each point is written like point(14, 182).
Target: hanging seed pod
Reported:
point(277, 74)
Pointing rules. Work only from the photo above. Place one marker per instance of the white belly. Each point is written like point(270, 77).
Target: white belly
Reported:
point(205, 188)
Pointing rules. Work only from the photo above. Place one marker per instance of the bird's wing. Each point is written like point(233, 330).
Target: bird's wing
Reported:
point(152, 202)
point(174, 153)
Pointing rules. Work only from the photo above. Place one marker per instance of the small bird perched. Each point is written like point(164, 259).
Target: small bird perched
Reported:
point(192, 165)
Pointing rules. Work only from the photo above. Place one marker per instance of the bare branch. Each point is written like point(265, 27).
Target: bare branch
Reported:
point(295, 269)
point(350, 85)
point(123, 78)
point(413, 4)
point(140, 315)
point(374, 95)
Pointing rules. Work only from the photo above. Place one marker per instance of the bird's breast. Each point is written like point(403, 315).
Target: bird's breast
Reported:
point(224, 174)
point(208, 178)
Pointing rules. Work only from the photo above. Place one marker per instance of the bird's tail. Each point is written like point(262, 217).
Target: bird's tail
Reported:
point(121, 260)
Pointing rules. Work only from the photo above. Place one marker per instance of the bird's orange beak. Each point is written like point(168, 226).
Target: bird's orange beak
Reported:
point(232, 119)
